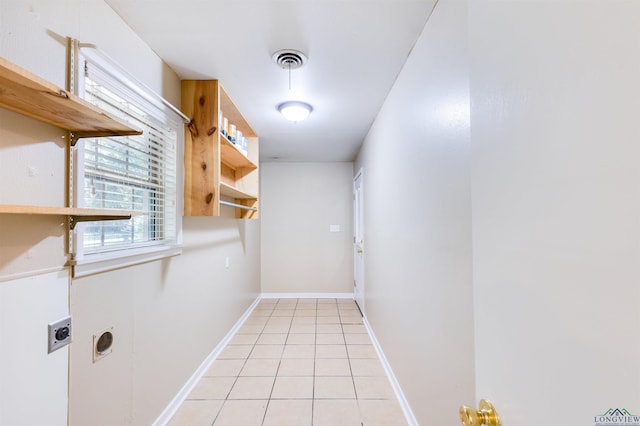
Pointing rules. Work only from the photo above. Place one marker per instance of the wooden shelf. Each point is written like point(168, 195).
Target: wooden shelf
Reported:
point(215, 167)
point(28, 94)
point(233, 192)
point(233, 157)
point(233, 114)
point(75, 214)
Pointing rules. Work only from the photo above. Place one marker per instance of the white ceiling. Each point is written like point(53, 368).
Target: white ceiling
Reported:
point(355, 48)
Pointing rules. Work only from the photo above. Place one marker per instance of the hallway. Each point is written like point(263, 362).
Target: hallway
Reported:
point(295, 362)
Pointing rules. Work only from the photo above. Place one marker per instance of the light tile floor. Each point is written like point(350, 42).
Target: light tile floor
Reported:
point(295, 362)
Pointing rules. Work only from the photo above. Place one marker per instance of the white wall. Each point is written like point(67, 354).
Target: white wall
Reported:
point(556, 205)
point(33, 383)
point(28, 374)
point(167, 317)
point(190, 300)
point(299, 201)
point(417, 222)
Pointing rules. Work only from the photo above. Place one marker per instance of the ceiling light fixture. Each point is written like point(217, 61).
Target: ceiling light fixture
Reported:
point(290, 59)
point(295, 110)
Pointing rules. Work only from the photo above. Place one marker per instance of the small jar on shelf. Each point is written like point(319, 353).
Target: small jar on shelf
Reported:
point(244, 145)
point(238, 141)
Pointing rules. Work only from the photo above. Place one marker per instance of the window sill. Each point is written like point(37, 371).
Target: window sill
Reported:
point(100, 263)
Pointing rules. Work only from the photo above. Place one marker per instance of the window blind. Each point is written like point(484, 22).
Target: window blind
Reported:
point(128, 172)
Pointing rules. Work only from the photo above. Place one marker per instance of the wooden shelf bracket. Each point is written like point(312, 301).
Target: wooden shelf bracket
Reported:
point(74, 220)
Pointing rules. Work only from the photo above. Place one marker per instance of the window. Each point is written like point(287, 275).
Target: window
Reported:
point(127, 172)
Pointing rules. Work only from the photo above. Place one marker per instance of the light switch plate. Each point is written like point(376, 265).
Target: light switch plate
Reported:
point(334, 228)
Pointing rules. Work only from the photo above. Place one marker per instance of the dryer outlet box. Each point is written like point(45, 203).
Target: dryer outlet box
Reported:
point(59, 334)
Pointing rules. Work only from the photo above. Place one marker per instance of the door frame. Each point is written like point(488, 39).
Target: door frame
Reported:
point(358, 246)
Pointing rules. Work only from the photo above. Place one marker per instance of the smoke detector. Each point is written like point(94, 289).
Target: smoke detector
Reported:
point(289, 59)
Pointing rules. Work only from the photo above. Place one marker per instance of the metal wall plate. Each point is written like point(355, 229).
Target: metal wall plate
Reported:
point(102, 344)
point(59, 334)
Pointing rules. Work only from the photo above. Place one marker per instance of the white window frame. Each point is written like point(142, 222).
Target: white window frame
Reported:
point(88, 264)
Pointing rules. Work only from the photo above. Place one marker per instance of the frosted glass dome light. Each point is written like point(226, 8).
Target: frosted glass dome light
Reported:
point(295, 110)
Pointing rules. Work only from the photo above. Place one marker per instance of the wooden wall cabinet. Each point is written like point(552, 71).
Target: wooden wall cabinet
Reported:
point(215, 169)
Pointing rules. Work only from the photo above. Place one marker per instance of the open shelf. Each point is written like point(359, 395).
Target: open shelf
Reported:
point(214, 166)
point(234, 115)
point(233, 192)
point(74, 213)
point(233, 157)
point(28, 94)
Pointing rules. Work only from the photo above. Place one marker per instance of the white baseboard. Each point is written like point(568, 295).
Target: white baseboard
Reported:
point(406, 408)
point(177, 401)
point(307, 295)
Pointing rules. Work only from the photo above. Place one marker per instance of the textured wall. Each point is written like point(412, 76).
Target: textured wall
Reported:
point(167, 315)
point(417, 222)
point(554, 131)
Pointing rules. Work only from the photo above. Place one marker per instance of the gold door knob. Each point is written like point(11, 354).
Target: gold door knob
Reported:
point(486, 415)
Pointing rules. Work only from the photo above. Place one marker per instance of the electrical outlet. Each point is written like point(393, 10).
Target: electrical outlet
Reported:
point(59, 334)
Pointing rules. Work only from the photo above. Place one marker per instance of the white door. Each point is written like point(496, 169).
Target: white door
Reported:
point(556, 208)
point(358, 242)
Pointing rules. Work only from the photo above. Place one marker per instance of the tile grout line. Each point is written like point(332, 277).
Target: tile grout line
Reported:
point(273, 385)
point(313, 382)
point(245, 360)
point(353, 381)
